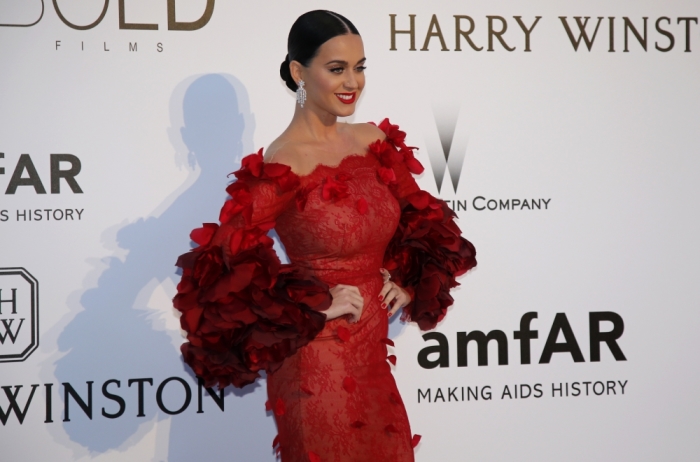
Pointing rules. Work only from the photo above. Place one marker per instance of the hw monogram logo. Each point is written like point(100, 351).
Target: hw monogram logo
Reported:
point(19, 314)
point(451, 155)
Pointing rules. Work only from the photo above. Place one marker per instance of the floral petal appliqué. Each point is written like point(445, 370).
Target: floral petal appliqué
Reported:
point(349, 384)
point(362, 206)
point(279, 407)
point(343, 333)
point(415, 440)
point(306, 390)
point(388, 341)
point(313, 457)
point(392, 359)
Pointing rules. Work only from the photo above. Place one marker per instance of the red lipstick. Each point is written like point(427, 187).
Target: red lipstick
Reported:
point(346, 98)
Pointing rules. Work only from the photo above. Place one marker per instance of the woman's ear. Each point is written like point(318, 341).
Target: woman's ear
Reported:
point(295, 68)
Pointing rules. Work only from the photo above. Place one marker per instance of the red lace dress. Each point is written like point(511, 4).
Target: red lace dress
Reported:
point(329, 383)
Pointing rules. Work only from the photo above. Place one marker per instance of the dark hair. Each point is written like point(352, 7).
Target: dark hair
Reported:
point(308, 33)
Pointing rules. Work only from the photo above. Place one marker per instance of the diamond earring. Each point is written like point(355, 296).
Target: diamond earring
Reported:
point(301, 93)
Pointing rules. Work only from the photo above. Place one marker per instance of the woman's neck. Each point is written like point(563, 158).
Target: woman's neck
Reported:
point(315, 124)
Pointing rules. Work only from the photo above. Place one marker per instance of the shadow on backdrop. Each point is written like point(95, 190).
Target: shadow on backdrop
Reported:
point(117, 335)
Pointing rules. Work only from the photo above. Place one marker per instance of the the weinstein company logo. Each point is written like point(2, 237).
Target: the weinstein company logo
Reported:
point(19, 314)
point(449, 156)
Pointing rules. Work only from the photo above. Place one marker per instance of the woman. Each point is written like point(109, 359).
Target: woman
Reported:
point(363, 241)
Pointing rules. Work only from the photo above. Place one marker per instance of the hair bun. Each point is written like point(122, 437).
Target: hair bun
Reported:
point(287, 75)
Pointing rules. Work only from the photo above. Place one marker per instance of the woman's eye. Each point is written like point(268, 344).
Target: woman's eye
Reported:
point(337, 70)
point(361, 68)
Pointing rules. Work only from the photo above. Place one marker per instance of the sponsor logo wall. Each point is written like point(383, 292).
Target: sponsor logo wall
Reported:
point(564, 136)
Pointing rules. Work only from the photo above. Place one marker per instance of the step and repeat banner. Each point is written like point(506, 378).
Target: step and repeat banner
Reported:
point(564, 134)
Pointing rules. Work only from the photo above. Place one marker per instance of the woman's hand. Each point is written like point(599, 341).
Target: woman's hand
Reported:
point(392, 295)
point(346, 300)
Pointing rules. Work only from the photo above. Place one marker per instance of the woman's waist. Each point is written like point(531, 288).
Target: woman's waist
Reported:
point(351, 271)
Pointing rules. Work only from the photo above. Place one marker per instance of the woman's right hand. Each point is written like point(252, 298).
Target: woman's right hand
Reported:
point(346, 300)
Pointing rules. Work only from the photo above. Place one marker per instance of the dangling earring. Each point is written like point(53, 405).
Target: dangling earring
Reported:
point(301, 94)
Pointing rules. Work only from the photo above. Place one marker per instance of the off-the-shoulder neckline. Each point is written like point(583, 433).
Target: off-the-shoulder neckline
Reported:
point(321, 165)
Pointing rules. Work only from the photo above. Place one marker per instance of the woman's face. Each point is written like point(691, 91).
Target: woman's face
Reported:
point(335, 77)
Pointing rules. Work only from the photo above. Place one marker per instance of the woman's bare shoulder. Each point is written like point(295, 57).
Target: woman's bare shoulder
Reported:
point(367, 133)
point(287, 152)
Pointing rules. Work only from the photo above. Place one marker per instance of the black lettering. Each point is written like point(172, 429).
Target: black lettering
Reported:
point(506, 391)
point(434, 31)
point(7, 324)
point(527, 30)
point(3, 215)
point(570, 345)
point(538, 390)
point(482, 346)
point(159, 396)
point(68, 175)
point(610, 338)
point(74, 26)
point(438, 395)
point(474, 202)
point(525, 335)
point(602, 388)
point(125, 25)
point(461, 33)
point(411, 31)
point(14, 405)
point(622, 385)
point(528, 388)
point(610, 387)
point(442, 349)
point(119, 400)
point(218, 399)
point(173, 24)
point(451, 394)
point(575, 42)
point(667, 34)
point(611, 23)
point(559, 389)
point(25, 163)
point(423, 395)
point(498, 34)
point(629, 26)
point(69, 391)
point(49, 413)
point(687, 31)
point(140, 383)
point(13, 301)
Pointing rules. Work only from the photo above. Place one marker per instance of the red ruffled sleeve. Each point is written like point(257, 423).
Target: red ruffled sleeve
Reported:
point(243, 310)
point(427, 251)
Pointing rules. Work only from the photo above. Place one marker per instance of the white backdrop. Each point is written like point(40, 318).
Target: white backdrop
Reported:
point(605, 142)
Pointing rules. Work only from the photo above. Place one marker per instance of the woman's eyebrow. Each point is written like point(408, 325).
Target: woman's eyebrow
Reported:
point(344, 63)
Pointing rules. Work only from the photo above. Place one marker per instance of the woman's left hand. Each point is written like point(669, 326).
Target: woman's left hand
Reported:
point(392, 295)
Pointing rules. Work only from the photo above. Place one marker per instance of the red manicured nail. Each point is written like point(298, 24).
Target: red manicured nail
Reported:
point(383, 305)
point(380, 298)
point(388, 313)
